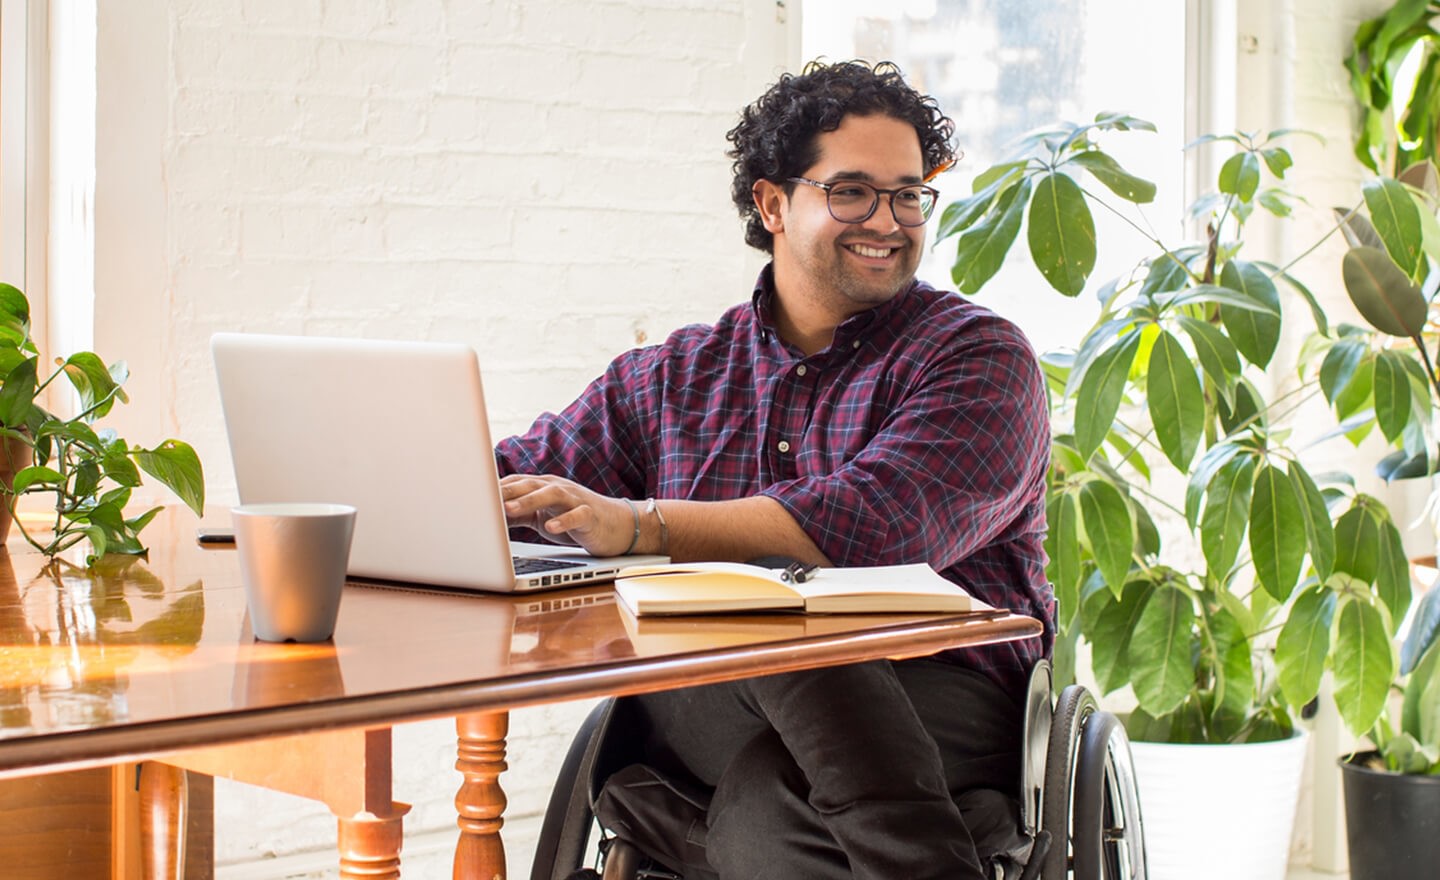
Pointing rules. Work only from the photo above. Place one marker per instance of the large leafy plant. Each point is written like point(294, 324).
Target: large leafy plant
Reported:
point(88, 471)
point(1162, 415)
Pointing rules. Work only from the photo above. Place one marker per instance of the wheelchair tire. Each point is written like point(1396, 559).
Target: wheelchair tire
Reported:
point(1073, 707)
point(1108, 841)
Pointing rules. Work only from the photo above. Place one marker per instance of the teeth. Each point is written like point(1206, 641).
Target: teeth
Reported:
point(864, 251)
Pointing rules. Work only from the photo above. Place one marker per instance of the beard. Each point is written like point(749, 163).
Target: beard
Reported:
point(867, 285)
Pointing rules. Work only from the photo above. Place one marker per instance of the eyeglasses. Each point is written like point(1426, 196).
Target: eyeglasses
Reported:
point(852, 201)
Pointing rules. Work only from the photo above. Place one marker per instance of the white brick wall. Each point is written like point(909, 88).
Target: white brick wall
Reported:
point(543, 180)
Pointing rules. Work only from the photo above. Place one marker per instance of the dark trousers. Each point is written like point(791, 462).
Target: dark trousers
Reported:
point(844, 772)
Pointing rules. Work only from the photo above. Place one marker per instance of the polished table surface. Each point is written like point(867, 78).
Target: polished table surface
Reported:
point(146, 656)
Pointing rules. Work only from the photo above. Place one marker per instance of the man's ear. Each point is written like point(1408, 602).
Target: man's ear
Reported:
point(769, 198)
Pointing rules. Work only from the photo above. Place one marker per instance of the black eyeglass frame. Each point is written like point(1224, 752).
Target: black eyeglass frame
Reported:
point(925, 216)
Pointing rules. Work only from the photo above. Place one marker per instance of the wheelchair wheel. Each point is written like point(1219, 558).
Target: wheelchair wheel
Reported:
point(1073, 707)
point(1108, 841)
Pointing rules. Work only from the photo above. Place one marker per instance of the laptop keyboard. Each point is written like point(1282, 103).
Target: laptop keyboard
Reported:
point(537, 565)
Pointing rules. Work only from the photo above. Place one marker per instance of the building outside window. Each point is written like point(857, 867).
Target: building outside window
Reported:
point(1001, 68)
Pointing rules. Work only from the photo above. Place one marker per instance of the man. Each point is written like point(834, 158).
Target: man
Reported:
point(847, 415)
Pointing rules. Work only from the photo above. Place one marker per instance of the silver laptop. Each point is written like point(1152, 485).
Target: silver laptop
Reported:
point(397, 429)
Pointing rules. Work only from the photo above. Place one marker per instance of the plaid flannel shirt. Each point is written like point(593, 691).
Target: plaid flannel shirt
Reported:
point(920, 434)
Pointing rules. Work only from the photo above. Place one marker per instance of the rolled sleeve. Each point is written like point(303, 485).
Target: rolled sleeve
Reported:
point(595, 441)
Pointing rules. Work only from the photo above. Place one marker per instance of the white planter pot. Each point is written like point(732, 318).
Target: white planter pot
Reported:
point(1219, 811)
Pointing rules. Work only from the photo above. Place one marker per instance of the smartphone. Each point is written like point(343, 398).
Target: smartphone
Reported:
point(215, 536)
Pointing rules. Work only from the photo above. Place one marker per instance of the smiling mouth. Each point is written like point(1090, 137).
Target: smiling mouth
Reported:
point(872, 252)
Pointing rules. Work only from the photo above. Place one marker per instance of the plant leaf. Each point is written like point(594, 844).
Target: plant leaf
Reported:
point(1396, 221)
point(1062, 545)
point(1109, 529)
point(1319, 531)
point(1240, 176)
point(1061, 233)
point(1255, 333)
point(1363, 666)
point(1165, 273)
point(1424, 631)
point(1392, 394)
point(93, 381)
point(1159, 651)
point(1277, 533)
point(1304, 643)
point(1111, 636)
point(1420, 709)
point(1101, 392)
point(1382, 293)
point(175, 464)
point(1227, 513)
point(1205, 470)
point(1216, 353)
point(962, 213)
point(1234, 667)
point(17, 394)
point(982, 250)
point(1357, 229)
point(1317, 313)
point(1210, 293)
point(1119, 181)
point(36, 475)
point(1392, 569)
point(1357, 542)
point(1339, 366)
point(1177, 404)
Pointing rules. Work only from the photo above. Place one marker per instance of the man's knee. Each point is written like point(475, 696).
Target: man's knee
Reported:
point(761, 824)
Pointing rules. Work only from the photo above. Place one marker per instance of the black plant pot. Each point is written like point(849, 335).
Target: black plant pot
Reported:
point(1392, 822)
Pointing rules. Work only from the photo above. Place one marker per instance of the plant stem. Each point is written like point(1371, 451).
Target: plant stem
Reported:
point(1285, 269)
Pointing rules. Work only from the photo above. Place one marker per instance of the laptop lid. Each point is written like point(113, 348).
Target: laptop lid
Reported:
point(397, 429)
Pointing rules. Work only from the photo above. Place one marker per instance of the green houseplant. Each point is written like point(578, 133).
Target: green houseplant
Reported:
point(1167, 416)
point(1170, 378)
point(89, 471)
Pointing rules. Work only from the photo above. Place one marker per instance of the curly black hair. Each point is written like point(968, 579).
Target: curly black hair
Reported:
point(775, 138)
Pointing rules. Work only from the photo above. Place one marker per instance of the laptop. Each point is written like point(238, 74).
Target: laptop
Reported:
point(397, 429)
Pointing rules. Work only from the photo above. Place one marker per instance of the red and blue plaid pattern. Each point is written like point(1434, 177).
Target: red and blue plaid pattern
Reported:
point(920, 435)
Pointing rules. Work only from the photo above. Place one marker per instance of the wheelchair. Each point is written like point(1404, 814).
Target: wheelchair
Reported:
point(1079, 811)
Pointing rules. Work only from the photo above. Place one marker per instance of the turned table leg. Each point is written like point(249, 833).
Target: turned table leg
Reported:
point(370, 848)
point(164, 802)
point(480, 854)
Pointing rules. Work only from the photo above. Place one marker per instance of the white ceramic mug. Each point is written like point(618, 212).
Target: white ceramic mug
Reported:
point(293, 558)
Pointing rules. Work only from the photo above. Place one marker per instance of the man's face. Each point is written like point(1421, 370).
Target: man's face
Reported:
point(850, 267)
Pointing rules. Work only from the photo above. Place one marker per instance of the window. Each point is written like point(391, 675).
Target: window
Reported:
point(1000, 68)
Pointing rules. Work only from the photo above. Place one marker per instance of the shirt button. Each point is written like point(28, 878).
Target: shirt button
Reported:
point(855, 344)
point(783, 446)
point(800, 370)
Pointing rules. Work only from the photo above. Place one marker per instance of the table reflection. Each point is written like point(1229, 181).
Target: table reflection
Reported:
point(70, 638)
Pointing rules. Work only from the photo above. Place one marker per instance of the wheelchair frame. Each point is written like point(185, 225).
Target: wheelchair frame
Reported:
point(1079, 805)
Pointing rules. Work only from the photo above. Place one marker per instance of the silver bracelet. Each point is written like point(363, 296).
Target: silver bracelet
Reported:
point(652, 507)
point(635, 514)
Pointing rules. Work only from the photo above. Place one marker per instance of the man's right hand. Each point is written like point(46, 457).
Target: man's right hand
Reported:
point(566, 512)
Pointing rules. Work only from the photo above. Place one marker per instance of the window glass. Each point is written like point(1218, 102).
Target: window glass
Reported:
point(1001, 68)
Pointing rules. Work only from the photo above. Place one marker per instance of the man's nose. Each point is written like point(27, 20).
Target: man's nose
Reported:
point(882, 219)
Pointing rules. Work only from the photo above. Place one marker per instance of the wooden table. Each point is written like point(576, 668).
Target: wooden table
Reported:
point(152, 660)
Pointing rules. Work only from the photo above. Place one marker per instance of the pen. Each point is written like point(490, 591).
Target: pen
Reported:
point(799, 573)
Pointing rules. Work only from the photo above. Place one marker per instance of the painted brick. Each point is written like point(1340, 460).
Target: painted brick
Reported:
point(537, 179)
point(281, 13)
